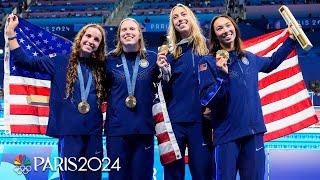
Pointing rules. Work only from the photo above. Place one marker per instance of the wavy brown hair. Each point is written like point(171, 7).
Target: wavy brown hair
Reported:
point(97, 60)
point(214, 44)
point(199, 41)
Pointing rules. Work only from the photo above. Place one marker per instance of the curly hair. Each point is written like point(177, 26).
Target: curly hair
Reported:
point(97, 61)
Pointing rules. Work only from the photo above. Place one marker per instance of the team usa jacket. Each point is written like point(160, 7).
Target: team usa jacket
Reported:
point(122, 120)
point(64, 117)
point(182, 90)
point(233, 98)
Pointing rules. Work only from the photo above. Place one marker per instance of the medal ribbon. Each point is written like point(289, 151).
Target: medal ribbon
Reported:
point(131, 82)
point(84, 92)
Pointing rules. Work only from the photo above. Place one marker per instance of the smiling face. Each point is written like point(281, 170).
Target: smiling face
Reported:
point(181, 22)
point(225, 32)
point(90, 41)
point(129, 35)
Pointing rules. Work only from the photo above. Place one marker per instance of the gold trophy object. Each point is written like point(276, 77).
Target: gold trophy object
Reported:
point(296, 29)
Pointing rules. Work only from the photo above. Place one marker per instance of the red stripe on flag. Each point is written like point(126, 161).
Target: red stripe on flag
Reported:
point(28, 129)
point(260, 39)
point(290, 129)
point(318, 114)
point(304, 104)
point(283, 93)
point(163, 137)
point(276, 93)
point(28, 90)
point(186, 159)
point(292, 54)
point(168, 157)
point(273, 46)
point(104, 107)
point(278, 76)
point(158, 118)
point(29, 110)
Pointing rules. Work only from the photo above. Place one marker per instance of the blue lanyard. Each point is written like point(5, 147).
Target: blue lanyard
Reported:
point(131, 83)
point(84, 92)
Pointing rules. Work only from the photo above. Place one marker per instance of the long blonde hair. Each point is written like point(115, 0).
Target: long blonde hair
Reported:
point(199, 42)
point(119, 47)
point(97, 60)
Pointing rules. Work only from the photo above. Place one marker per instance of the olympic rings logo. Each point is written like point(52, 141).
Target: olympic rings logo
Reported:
point(22, 169)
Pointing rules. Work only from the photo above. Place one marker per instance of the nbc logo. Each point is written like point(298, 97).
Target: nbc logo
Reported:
point(22, 164)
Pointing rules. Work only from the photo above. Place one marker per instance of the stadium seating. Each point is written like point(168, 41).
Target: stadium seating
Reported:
point(69, 12)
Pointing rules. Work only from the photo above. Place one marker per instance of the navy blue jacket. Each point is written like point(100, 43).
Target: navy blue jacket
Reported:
point(122, 120)
point(233, 98)
point(182, 91)
point(64, 117)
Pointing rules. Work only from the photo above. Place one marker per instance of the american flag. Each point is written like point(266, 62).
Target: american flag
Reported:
point(285, 100)
point(19, 115)
point(167, 142)
point(286, 103)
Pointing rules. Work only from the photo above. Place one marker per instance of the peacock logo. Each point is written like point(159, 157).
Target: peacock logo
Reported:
point(22, 164)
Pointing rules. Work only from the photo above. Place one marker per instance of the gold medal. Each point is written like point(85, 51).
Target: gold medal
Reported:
point(131, 101)
point(144, 63)
point(223, 53)
point(83, 107)
point(163, 48)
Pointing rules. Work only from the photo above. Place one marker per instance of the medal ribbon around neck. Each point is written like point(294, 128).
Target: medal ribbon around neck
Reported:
point(131, 82)
point(84, 91)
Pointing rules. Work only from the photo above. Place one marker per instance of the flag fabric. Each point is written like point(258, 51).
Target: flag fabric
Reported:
point(286, 104)
point(19, 115)
point(167, 143)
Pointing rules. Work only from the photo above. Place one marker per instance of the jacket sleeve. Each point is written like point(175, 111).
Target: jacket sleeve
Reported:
point(167, 82)
point(40, 64)
point(156, 73)
point(108, 82)
point(213, 82)
point(268, 64)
